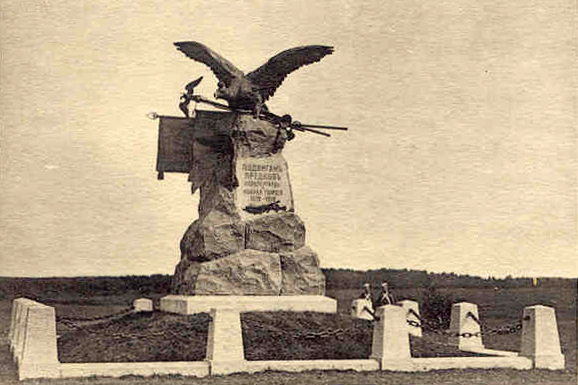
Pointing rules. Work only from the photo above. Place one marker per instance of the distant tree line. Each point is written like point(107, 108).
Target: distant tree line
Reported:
point(83, 286)
point(335, 279)
point(404, 278)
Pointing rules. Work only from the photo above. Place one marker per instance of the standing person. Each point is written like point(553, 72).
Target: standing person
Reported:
point(366, 293)
point(386, 298)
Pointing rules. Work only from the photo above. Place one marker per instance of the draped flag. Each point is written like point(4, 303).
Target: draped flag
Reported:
point(174, 146)
point(183, 144)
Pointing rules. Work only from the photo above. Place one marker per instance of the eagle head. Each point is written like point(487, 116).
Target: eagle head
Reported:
point(238, 92)
point(226, 91)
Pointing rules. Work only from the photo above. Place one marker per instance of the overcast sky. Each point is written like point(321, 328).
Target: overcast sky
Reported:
point(461, 154)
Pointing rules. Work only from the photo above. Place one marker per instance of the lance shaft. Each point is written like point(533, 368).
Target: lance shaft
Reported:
point(324, 127)
point(297, 126)
point(305, 129)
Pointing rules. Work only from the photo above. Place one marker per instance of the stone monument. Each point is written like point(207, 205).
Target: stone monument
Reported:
point(248, 239)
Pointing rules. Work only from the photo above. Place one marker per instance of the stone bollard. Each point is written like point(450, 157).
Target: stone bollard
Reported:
point(359, 309)
point(464, 326)
point(35, 350)
point(225, 342)
point(413, 318)
point(14, 322)
point(540, 339)
point(142, 304)
point(390, 346)
point(17, 337)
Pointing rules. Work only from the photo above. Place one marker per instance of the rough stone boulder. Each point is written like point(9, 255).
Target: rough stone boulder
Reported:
point(301, 273)
point(274, 233)
point(207, 239)
point(184, 278)
point(248, 239)
point(258, 137)
point(219, 230)
point(252, 272)
point(247, 272)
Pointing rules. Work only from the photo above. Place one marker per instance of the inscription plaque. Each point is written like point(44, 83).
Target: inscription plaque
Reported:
point(263, 181)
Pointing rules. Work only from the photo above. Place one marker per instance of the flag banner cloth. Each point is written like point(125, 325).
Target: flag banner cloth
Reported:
point(179, 137)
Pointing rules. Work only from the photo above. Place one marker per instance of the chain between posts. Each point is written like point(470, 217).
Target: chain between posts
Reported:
point(117, 336)
point(309, 335)
point(127, 310)
point(68, 321)
point(508, 329)
point(427, 326)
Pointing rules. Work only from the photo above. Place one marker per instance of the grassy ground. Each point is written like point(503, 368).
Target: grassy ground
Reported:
point(497, 308)
point(266, 336)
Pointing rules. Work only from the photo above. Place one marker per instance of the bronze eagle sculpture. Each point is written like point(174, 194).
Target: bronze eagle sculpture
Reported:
point(251, 91)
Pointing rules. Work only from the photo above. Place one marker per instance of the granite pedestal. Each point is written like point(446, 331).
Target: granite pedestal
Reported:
point(465, 327)
point(185, 304)
point(540, 338)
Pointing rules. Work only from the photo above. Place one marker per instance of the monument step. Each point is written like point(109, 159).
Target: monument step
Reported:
point(184, 304)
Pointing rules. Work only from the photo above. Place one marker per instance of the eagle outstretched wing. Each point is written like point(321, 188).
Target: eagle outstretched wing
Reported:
point(270, 75)
point(223, 69)
point(190, 87)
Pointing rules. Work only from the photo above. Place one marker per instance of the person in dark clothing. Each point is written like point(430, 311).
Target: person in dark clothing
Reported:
point(386, 298)
point(366, 293)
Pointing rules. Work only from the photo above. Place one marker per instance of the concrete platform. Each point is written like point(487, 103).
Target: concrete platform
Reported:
point(492, 352)
point(119, 369)
point(444, 363)
point(304, 365)
point(184, 304)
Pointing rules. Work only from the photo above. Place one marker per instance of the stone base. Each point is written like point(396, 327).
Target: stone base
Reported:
point(120, 369)
point(225, 340)
point(492, 352)
point(183, 304)
point(447, 363)
point(361, 308)
point(142, 305)
point(412, 309)
point(222, 368)
point(390, 337)
point(465, 319)
point(303, 365)
point(554, 362)
point(36, 370)
point(398, 365)
point(251, 272)
point(540, 338)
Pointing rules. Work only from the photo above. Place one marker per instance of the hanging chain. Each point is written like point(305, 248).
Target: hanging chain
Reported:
point(127, 310)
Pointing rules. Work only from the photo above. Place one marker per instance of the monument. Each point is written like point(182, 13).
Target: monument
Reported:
point(248, 239)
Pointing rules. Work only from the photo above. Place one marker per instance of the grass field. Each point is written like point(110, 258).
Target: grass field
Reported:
point(497, 308)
